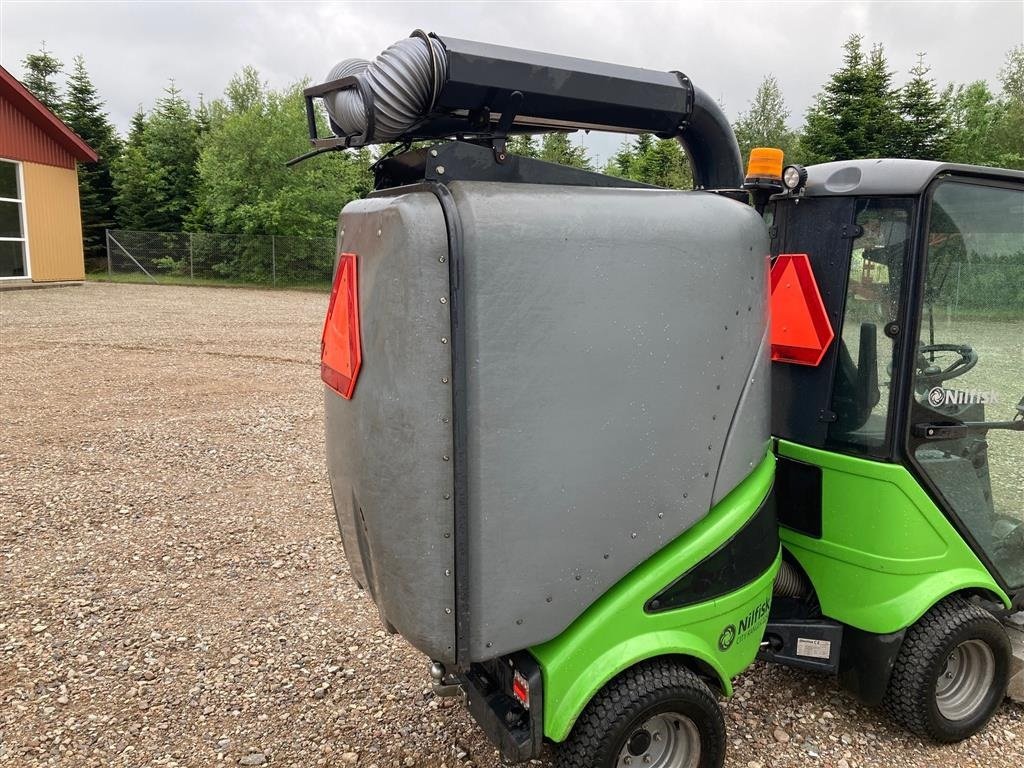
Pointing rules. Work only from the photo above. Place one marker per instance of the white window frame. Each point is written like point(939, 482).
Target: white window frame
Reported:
point(24, 221)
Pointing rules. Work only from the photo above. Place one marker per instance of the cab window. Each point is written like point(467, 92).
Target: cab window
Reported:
point(862, 391)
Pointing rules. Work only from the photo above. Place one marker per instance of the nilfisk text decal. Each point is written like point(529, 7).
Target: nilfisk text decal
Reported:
point(752, 621)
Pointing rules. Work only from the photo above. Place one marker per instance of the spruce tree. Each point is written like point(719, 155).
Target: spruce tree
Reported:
point(855, 114)
point(523, 145)
point(925, 131)
point(558, 148)
point(156, 175)
point(882, 126)
point(84, 114)
point(41, 72)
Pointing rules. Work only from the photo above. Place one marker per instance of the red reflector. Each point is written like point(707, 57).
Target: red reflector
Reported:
point(340, 350)
point(800, 329)
point(521, 689)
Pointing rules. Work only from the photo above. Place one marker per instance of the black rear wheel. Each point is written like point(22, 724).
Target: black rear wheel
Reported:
point(951, 673)
point(657, 714)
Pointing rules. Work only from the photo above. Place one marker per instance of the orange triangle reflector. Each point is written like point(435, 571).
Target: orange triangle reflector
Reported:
point(800, 328)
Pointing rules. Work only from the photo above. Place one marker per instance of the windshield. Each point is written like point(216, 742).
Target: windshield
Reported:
point(969, 366)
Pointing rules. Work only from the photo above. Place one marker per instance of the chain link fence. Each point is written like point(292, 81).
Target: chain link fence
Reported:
point(201, 258)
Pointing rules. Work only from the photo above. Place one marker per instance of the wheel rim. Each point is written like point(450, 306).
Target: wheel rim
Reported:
point(964, 683)
point(668, 740)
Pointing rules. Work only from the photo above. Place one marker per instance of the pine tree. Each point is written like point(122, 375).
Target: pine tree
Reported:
point(621, 163)
point(156, 175)
point(882, 126)
point(41, 71)
point(84, 114)
point(925, 121)
point(764, 124)
point(523, 145)
point(558, 148)
point(855, 114)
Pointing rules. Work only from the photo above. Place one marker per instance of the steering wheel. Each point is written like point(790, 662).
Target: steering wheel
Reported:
point(929, 374)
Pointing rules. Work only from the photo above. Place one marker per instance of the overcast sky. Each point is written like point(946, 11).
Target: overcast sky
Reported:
point(131, 49)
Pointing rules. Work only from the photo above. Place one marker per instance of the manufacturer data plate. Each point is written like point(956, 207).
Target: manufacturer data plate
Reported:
point(813, 649)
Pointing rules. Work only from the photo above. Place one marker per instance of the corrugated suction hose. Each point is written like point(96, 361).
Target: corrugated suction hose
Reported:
point(404, 81)
point(790, 582)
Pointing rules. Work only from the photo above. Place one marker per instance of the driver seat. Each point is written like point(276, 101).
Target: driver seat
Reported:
point(856, 390)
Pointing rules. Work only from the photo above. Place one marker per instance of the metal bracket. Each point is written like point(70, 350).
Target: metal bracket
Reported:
point(508, 116)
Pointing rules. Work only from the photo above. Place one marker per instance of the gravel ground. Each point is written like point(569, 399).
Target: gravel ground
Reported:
point(172, 587)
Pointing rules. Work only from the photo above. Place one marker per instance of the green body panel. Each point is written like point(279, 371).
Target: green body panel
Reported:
point(615, 633)
point(887, 554)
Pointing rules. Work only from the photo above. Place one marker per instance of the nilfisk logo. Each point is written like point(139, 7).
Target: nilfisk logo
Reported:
point(939, 396)
point(727, 638)
point(748, 624)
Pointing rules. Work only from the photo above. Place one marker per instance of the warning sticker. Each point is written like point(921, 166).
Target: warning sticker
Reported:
point(813, 649)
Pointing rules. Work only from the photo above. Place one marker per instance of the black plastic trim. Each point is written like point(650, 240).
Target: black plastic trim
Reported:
point(739, 561)
point(798, 495)
point(866, 662)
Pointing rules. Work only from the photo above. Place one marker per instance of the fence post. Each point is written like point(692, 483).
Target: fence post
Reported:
point(191, 269)
point(110, 269)
point(273, 260)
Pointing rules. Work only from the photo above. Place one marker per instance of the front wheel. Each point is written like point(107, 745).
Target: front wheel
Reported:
point(951, 673)
point(657, 714)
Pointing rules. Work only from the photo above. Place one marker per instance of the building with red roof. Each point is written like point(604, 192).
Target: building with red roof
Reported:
point(40, 218)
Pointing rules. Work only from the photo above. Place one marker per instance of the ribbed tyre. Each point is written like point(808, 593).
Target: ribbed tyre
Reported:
point(657, 714)
point(951, 673)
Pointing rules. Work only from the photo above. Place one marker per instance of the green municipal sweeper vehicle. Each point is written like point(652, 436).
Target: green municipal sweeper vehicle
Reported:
point(549, 411)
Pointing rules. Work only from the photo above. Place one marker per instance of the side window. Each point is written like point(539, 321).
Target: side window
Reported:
point(861, 392)
point(967, 425)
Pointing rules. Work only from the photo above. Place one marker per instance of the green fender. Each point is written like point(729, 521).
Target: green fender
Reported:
point(615, 633)
point(887, 553)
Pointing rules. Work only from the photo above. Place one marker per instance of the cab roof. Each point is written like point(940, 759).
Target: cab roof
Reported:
point(890, 177)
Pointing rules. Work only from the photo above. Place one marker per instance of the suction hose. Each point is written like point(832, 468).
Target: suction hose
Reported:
point(405, 80)
point(711, 146)
point(790, 582)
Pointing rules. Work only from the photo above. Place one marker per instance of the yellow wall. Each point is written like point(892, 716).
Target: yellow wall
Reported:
point(54, 223)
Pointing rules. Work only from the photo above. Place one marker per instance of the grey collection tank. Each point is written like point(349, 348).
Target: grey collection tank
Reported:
point(616, 388)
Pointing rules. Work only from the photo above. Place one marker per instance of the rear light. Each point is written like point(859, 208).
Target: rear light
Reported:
point(340, 349)
point(521, 689)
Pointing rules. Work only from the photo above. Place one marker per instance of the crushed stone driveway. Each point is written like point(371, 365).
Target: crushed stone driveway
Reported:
point(173, 590)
